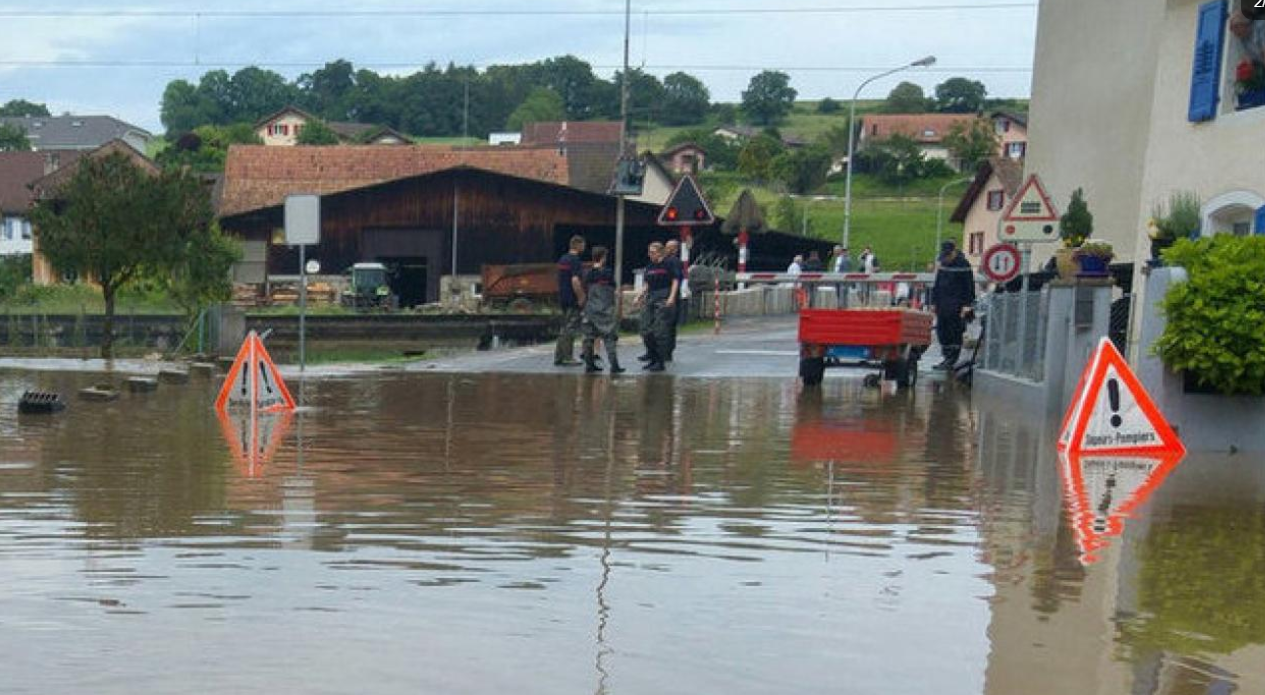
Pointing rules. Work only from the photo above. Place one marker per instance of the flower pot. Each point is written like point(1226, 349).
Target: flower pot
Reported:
point(1067, 263)
point(1157, 250)
point(1250, 99)
point(1093, 267)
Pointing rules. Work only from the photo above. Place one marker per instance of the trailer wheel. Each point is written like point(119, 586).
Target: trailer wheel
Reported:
point(903, 371)
point(812, 370)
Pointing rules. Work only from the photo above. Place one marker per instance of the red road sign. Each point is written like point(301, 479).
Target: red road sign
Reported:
point(1031, 215)
point(1001, 262)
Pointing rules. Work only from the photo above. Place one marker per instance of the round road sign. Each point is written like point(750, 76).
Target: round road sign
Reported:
point(1001, 262)
point(313, 267)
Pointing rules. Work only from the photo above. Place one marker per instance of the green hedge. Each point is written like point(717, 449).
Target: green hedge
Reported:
point(1216, 320)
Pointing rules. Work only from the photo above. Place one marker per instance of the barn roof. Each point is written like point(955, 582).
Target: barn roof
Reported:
point(258, 176)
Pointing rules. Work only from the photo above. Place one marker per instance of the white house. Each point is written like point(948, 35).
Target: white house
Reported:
point(1134, 126)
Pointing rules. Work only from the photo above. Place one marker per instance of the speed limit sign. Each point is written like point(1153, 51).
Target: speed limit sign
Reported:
point(1001, 262)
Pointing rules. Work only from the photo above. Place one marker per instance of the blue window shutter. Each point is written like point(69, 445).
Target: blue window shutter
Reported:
point(1260, 220)
point(1205, 78)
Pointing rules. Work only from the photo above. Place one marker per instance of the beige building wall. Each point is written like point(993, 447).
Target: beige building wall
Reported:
point(981, 220)
point(1089, 123)
point(293, 123)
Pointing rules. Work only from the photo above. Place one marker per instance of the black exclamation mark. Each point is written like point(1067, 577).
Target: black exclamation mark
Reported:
point(1113, 395)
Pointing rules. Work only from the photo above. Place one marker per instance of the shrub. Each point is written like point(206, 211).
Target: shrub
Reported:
point(1216, 319)
point(829, 105)
point(1077, 224)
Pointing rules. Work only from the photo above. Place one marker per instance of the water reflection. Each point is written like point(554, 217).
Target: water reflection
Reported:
point(553, 533)
point(1103, 491)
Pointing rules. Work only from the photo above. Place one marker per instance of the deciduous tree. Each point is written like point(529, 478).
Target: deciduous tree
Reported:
point(685, 100)
point(317, 133)
point(960, 95)
point(769, 97)
point(972, 143)
point(13, 139)
point(906, 97)
point(543, 104)
point(114, 223)
point(22, 107)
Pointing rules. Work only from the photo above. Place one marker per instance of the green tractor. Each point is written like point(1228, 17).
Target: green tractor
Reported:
point(368, 288)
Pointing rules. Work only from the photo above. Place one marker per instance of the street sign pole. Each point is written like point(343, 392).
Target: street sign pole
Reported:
point(302, 316)
point(1026, 251)
point(302, 227)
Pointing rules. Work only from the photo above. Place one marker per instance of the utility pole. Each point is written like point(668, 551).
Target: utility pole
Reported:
point(623, 149)
point(456, 191)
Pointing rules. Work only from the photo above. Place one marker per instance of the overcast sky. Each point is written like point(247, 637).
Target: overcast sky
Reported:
point(94, 58)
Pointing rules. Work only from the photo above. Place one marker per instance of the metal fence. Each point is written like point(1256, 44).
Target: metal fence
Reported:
point(1014, 340)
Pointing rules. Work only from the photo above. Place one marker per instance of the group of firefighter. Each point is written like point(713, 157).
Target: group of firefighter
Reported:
point(589, 303)
point(589, 300)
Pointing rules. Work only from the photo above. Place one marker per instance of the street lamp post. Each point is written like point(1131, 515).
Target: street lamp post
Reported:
point(940, 209)
point(852, 115)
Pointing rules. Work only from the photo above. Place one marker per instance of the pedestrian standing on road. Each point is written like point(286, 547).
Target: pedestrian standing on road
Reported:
point(570, 299)
point(600, 322)
point(657, 301)
point(796, 267)
point(951, 299)
point(841, 262)
point(672, 256)
point(869, 262)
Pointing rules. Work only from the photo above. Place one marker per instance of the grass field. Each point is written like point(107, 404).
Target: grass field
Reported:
point(804, 123)
point(899, 224)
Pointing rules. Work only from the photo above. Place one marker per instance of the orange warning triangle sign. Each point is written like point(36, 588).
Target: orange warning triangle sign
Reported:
point(1103, 491)
point(1111, 413)
point(254, 382)
point(1031, 204)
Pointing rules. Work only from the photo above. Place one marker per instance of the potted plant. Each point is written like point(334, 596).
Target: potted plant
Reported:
point(1093, 257)
point(1215, 337)
point(1249, 84)
point(1181, 220)
point(1076, 225)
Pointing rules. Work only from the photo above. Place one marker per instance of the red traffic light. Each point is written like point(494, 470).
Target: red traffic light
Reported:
point(671, 214)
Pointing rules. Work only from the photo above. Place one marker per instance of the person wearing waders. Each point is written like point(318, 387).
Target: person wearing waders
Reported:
point(570, 299)
point(599, 314)
point(657, 301)
point(951, 300)
point(672, 257)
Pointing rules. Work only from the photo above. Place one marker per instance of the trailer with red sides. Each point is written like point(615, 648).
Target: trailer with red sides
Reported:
point(892, 338)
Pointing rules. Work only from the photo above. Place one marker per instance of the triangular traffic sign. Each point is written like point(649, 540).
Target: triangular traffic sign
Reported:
point(254, 382)
point(686, 207)
point(1031, 204)
point(1111, 413)
point(1031, 215)
point(1103, 491)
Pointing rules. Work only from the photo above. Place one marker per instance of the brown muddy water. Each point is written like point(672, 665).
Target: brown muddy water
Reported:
point(556, 534)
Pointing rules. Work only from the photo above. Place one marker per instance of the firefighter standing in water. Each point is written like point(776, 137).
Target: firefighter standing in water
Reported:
point(571, 299)
point(599, 314)
point(672, 257)
point(952, 297)
point(658, 307)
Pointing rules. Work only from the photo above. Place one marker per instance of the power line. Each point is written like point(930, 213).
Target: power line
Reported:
point(389, 65)
point(666, 11)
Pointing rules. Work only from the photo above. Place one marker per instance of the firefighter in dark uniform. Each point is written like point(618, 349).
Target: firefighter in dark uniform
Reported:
point(570, 299)
point(600, 321)
point(672, 257)
point(658, 308)
point(951, 298)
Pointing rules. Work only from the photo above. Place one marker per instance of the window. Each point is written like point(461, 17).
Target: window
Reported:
point(975, 245)
point(26, 230)
point(15, 229)
point(996, 199)
point(874, 130)
point(1016, 150)
point(280, 129)
point(928, 133)
point(1003, 126)
point(1244, 62)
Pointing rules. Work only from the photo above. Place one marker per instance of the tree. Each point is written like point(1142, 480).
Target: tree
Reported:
point(317, 133)
point(1077, 224)
point(645, 95)
point(756, 157)
point(829, 106)
point(906, 97)
point(255, 93)
point(769, 97)
point(960, 95)
point(836, 140)
point(200, 276)
point(542, 104)
point(325, 91)
point(685, 100)
point(789, 216)
point(13, 139)
point(205, 149)
point(898, 159)
point(972, 143)
point(22, 107)
point(803, 170)
point(116, 223)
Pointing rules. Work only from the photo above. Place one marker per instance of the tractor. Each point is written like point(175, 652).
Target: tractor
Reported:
point(368, 288)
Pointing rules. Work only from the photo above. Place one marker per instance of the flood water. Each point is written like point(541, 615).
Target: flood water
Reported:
point(556, 534)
